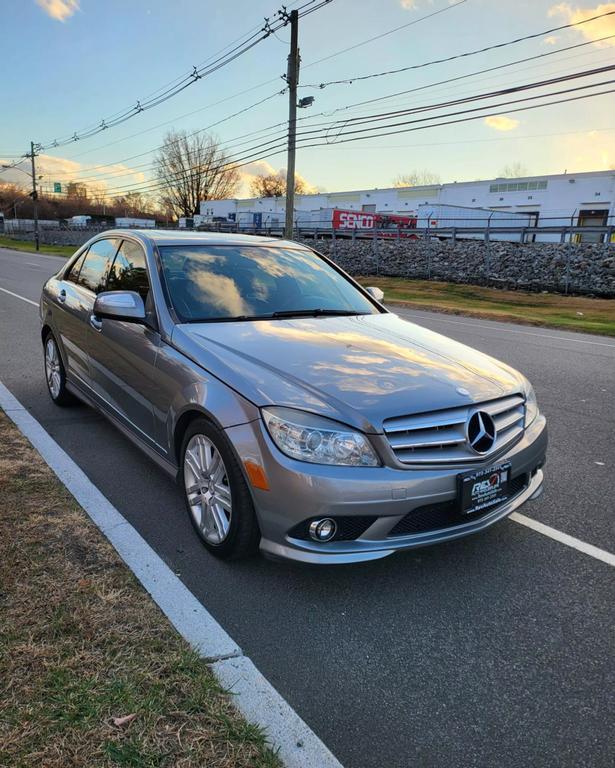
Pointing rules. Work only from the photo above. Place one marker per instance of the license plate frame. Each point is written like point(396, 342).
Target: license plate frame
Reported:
point(483, 489)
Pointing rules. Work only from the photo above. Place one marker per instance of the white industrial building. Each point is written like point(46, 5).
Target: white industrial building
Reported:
point(579, 199)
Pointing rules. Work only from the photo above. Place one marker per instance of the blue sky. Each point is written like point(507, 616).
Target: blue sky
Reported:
point(69, 64)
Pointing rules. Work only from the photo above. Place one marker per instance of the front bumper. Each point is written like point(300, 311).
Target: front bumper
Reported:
point(300, 491)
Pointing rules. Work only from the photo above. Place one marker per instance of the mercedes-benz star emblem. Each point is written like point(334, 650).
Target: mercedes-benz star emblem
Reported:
point(481, 432)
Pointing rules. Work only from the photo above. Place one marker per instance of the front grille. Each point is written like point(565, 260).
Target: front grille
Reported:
point(439, 437)
point(348, 528)
point(433, 517)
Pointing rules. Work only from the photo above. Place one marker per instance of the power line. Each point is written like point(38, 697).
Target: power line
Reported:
point(153, 187)
point(275, 79)
point(187, 80)
point(479, 141)
point(465, 119)
point(194, 133)
point(121, 172)
point(471, 74)
point(273, 150)
point(377, 117)
point(350, 80)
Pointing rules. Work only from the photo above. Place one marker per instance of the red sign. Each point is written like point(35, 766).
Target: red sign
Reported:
point(362, 220)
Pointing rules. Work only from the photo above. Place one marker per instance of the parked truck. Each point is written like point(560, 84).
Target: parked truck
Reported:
point(360, 223)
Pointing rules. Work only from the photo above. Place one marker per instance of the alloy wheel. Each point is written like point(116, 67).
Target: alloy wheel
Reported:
point(207, 489)
point(52, 368)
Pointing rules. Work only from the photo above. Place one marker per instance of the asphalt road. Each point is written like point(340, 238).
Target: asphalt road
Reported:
point(491, 651)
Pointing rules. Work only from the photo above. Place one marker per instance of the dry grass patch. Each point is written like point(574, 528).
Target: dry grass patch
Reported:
point(81, 643)
point(552, 310)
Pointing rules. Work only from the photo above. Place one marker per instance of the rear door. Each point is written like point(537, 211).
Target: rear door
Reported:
point(123, 355)
point(76, 296)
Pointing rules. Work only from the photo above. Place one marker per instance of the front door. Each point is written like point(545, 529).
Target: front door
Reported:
point(76, 297)
point(123, 354)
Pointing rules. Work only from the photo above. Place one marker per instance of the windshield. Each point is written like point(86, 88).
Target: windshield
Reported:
point(208, 283)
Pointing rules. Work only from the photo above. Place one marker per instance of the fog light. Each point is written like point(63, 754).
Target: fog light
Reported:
point(323, 530)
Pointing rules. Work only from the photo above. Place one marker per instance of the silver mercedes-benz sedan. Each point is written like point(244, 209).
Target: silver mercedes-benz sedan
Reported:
point(296, 412)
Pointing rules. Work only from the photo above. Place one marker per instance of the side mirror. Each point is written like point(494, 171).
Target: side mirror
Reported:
point(120, 305)
point(375, 293)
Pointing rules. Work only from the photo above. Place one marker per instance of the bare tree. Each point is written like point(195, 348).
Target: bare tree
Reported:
point(417, 178)
point(274, 185)
point(191, 169)
point(513, 171)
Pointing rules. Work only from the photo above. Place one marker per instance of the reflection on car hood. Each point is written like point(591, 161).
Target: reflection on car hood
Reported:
point(360, 369)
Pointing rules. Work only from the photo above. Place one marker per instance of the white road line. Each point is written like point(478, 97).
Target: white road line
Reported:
point(503, 330)
point(17, 296)
point(254, 696)
point(564, 538)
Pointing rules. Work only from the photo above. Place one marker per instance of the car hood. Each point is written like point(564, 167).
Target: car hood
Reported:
point(359, 369)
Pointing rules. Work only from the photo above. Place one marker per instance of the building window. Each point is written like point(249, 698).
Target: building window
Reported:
point(517, 186)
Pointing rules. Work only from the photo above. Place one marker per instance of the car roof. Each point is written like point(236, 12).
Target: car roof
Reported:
point(190, 237)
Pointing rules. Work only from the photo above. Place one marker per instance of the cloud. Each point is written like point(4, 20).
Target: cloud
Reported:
point(408, 4)
point(595, 29)
point(589, 151)
point(64, 170)
point(551, 40)
point(59, 9)
point(501, 122)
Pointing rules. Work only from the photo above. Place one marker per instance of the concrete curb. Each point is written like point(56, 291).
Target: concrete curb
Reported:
point(297, 745)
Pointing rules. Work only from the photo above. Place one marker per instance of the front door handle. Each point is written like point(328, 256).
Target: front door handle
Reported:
point(96, 323)
point(62, 296)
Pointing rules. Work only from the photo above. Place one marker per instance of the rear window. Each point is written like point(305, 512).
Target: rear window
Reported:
point(207, 283)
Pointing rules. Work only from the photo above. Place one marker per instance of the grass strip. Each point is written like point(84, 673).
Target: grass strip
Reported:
point(28, 247)
point(551, 310)
point(92, 673)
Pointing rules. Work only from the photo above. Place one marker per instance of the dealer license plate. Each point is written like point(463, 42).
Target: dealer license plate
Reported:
point(479, 491)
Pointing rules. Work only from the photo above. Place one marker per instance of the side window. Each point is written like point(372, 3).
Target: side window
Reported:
point(73, 274)
point(95, 268)
point(129, 272)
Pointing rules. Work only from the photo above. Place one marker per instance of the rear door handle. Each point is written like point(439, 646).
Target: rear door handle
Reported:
point(95, 323)
point(62, 296)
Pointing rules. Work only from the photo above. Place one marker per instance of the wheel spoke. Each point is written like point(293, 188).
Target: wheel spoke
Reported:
point(203, 455)
point(221, 520)
point(193, 464)
point(215, 467)
point(222, 495)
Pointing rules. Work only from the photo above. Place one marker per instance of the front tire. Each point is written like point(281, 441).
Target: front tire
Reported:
point(55, 374)
point(216, 494)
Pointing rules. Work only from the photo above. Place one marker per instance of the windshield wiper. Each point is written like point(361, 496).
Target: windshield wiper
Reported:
point(316, 312)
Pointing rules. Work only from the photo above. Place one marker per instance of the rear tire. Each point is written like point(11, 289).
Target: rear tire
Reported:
point(55, 374)
point(216, 494)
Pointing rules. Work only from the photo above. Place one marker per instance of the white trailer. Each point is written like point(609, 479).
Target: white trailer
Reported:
point(459, 218)
point(80, 221)
point(127, 222)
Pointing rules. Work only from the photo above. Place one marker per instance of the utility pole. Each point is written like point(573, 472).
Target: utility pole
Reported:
point(292, 78)
point(34, 195)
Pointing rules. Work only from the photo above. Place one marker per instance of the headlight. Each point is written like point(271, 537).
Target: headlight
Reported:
point(308, 437)
point(531, 406)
